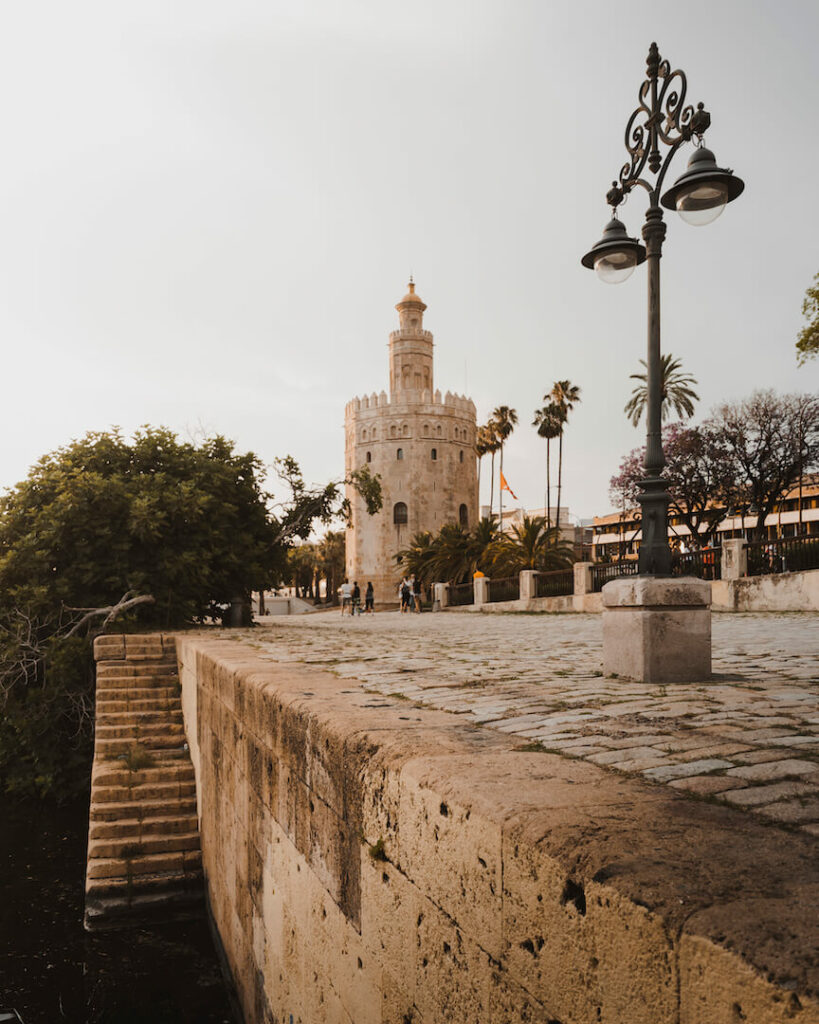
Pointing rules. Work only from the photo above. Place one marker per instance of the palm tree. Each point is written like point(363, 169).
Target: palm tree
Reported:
point(565, 396)
point(530, 545)
point(503, 420)
point(418, 559)
point(483, 446)
point(481, 539)
point(675, 391)
point(548, 423)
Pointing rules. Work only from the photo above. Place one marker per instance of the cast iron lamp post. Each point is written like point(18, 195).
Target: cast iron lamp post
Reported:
point(699, 196)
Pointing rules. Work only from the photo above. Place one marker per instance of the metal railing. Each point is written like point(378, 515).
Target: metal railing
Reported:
point(705, 564)
point(783, 554)
point(460, 594)
point(608, 571)
point(554, 584)
point(506, 589)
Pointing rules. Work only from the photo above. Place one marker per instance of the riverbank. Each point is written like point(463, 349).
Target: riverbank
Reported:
point(51, 970)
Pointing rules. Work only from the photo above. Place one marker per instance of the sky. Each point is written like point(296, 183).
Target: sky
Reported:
point(209, 210)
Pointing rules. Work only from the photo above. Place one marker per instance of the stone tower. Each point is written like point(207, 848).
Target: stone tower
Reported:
point(423, 448)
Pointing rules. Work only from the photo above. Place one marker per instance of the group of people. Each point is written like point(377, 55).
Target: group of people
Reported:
point(351, 598)
point(410, 597)
point(409, 594)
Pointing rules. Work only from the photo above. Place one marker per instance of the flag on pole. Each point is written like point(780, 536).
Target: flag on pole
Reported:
point(505, 487)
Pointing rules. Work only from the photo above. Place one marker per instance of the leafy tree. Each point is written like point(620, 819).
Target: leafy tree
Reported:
point(503, 422)
point(772, 440)
point(565, 396)
point(807, 342)
point(742, 460)
point(700, 475)
point(530, 545)
point(301, 568)
point(549, 426)
point(483, 446)
point(418, 558)
point(452, 555)
point(675, 391)
point(159, 532)
point(487, 444)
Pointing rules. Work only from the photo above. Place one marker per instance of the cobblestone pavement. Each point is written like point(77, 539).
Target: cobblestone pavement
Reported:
point(749, 737)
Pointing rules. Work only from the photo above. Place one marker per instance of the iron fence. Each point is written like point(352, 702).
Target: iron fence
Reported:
point(506, 589)
point(460, 594)
point(554, 584)
point(782, 554)
point(602, 574)
point(706, 564)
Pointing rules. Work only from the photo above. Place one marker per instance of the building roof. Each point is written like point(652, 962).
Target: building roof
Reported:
point(411, 299)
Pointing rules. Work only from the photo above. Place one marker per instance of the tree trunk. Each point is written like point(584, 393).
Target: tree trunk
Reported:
point(559, 479)
point(500, 492)
point(492, 487)
point(479, 487)
point(548, 484)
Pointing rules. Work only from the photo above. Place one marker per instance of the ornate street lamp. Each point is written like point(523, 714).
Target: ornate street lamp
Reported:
point(699, 196)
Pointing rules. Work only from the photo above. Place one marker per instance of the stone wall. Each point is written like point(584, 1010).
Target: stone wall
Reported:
point(780, 592)
point(370, 862)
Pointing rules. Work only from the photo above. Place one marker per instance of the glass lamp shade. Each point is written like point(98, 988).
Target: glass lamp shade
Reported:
point(702, 203)
point(615, 266)
point(703, 191)
point(616, 255)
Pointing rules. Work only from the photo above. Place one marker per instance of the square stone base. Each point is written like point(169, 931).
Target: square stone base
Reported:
point(657, 630)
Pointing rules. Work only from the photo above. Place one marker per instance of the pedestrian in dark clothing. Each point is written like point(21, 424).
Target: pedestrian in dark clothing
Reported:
point(369, 600)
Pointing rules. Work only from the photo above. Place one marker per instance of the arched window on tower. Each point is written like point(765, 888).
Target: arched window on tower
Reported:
point(460, 456)
point(463, 515)
point(393, 431)
point(399, 513)
point(405, 430)
point(363, 435)
point(369, 456)
point(438, 430)
point(426, 430)
point(399, 454)
point(434, 454)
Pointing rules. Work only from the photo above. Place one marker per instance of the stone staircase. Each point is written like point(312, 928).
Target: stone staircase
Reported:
point(144, 860)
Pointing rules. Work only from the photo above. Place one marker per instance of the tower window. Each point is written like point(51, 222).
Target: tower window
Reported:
point(460, 456)
point(463, 515)
point(363, 435)
point(399, 513)
point(399, 454)
point(438, 430)
point(370, 456)
point(434, 454)
point(393, 431)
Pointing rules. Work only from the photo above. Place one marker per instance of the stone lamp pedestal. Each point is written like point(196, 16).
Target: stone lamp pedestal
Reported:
point(657, 629)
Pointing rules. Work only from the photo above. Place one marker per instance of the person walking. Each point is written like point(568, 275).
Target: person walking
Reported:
point(404, 593)
point(346, 591)
point(369, 600)
point(355, 608)
point(417, 594)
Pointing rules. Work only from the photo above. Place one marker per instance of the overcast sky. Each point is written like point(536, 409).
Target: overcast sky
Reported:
point(208, 211)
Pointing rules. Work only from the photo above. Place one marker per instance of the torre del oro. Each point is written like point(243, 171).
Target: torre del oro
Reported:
point(422, 446)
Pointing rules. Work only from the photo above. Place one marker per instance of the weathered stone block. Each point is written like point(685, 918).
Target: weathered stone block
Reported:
point(657, 630)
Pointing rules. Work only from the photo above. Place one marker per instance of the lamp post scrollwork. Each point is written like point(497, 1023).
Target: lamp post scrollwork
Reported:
point(660, 125)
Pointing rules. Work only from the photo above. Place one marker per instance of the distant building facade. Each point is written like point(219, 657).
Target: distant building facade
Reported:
point(420, 444)
point(617, 536)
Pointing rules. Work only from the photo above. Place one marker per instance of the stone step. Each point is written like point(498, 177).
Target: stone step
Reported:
point(180, 862)
point(170, 714)
point(137, 730)
point(143, 908)
point(113, 706)
point(115, 775)
point(131, 847)
point(159, 790)
point(123, 682)
point(139, 692)
point(141, 810)
point(156, 667)
point(161, 882)
point(110, 748)
point(133, 828)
